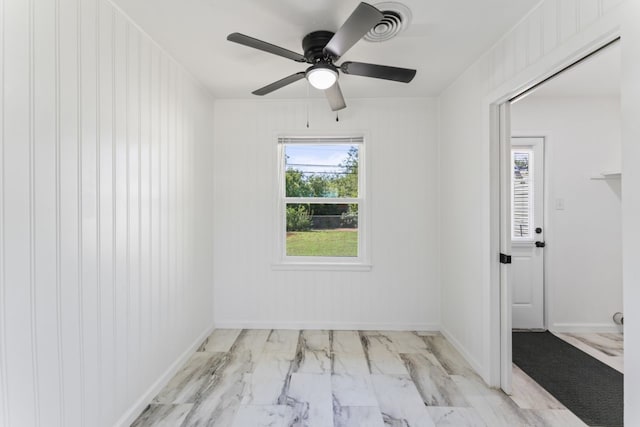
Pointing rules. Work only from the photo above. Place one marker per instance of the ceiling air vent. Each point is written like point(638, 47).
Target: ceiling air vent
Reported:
point(397, 18)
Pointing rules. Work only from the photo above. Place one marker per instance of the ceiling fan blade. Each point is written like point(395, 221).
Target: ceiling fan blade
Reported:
point(355, 27)
point(264, 46)
point(279, 84)
point(396, 74)
point(335, 98)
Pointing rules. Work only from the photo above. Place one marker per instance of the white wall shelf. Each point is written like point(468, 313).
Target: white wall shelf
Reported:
point(607, 175)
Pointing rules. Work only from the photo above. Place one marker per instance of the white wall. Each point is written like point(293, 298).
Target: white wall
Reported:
point(583, 257)
point(104, 214)
point(557, 32)
point(400, 292)
point(464, 227)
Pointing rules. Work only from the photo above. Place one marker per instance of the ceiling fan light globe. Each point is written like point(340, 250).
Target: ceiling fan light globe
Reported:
point(322, 77)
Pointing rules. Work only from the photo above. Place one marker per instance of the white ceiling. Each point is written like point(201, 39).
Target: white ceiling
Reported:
point(445, 37)
point(598, 75)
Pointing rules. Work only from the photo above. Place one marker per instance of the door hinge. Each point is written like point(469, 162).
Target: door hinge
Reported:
point(505, 259)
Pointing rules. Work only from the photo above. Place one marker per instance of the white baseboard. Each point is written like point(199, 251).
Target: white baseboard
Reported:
point(463, 351)
point(136, 409)
point(585, 327)
point(358, 326)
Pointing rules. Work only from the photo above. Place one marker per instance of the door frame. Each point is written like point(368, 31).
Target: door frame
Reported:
point(499, 352)
point(504, 230)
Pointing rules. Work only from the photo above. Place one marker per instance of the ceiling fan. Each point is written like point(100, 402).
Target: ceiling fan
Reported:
point(322, 49)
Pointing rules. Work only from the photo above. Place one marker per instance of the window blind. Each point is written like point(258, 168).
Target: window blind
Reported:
point(321, 140)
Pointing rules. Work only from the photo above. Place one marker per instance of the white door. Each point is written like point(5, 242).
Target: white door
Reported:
point(527, 232)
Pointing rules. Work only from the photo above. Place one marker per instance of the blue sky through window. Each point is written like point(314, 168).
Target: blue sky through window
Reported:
point(317, 159)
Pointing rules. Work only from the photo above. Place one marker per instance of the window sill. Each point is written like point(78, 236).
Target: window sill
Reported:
point(320, 266)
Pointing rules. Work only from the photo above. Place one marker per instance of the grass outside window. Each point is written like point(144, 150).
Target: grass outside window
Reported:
point(339, 243)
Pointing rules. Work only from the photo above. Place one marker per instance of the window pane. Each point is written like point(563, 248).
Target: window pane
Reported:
point(321, 170)
point(322, 230)
point(522, 201)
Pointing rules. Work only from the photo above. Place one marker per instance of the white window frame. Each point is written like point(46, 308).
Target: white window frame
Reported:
point(286, 262)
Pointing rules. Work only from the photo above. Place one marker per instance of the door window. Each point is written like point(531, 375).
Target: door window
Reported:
point(522, 194)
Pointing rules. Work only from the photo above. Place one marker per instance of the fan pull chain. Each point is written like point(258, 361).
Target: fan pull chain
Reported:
point(337, 117)
point(308, 102)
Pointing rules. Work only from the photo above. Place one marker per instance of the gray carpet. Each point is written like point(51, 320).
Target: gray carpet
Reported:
point(589, 388)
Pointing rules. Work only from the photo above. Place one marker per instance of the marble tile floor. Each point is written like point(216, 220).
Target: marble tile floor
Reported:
point(282, 378)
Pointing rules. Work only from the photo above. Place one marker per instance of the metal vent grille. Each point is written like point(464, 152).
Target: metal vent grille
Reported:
point(396, 19)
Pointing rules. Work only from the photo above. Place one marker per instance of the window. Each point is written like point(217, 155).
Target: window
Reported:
point(522, 194)
point(321, 209)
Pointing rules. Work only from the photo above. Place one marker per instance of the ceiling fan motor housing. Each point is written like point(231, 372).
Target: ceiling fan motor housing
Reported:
point(313, 45)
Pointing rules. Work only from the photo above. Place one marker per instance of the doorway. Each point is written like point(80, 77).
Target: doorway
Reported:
point(563, 229)
point(527, 232)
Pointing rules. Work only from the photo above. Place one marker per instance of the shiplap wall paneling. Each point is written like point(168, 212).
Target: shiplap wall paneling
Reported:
point(88, 205)
point(48, 256)
point(401, 290)
point(534, 46)
point(4, 405)
point(19, 283)
point(101, 288)
point(68, 193)
point(546, 28)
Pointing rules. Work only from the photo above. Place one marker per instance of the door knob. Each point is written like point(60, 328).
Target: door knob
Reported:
point(540, 244)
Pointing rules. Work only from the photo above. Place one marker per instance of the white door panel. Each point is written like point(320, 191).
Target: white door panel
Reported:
point(522, 266)
point(527, 211)
point(528, 285)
